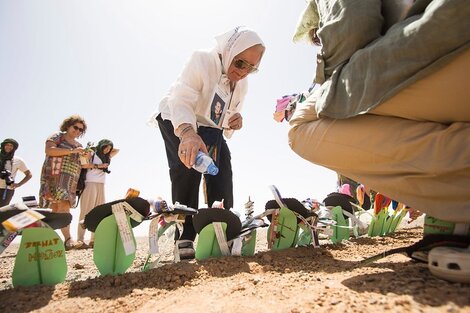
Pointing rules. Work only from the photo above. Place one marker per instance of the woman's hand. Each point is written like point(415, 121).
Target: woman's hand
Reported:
point(236, 121)
point(189, 146)
point(54, 151)
point(78, 150)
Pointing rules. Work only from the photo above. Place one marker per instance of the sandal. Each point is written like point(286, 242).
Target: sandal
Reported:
point(80, 245)
point(91, 244)
point(68, 244)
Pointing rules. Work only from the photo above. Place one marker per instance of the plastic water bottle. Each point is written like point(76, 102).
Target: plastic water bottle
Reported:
point(205, 164)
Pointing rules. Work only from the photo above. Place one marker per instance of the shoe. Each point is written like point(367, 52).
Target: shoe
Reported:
point(449, 260)
point(91, 244)
point(184, 250)
point(79, 245)
point(69, 244)
point(439, 233)
point(419, 251)
point(445, 247)
point(452, 264)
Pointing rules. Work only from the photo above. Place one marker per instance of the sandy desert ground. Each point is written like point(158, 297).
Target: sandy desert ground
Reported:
point(305, 279)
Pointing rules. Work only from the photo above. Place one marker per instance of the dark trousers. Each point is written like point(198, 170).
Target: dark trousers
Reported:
point(5, 196)
point(185, 182)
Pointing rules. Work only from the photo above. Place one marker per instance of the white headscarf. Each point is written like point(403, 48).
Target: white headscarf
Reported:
point(234, 42)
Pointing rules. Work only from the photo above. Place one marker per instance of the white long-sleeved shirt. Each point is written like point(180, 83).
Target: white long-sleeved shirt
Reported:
point(189, 98)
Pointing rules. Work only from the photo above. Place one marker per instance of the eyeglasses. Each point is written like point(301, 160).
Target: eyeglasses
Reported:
point(244, 65)
point(78, 128)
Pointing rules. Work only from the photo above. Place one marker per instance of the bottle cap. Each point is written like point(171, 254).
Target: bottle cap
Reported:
point(212, 169)
point(132, 193)
point(160, 206)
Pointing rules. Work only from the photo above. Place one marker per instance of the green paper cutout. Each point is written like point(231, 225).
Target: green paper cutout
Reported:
point(207, 244)
point(387, 224)
point(397, 220)
point(108, 252)
point(248, 246)
point(304, 237)
point(370, 230)
point(378, 223)
point(286, 228)
point(342, 232)
point(40, 259)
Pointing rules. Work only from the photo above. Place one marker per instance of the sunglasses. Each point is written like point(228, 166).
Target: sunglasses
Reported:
point(244, 65)
point(78, 128)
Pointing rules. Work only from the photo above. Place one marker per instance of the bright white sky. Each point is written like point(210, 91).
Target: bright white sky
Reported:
point(112, 61)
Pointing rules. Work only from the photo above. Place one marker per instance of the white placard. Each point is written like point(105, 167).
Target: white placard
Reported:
point(124, 228)
point(153, 236)
point(21, 220)
point(221, 239)
point(237, 246)
point(136, 216)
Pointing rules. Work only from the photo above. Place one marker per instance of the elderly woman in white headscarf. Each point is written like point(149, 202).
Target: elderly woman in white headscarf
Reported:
point(190, 121)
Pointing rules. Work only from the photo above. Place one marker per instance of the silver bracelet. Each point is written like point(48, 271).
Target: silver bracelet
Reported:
point(185, 130)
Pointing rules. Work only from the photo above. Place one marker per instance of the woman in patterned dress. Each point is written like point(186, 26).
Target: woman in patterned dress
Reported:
point(61, 170)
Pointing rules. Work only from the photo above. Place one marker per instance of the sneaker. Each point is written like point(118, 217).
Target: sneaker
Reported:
point(452, 264)
point(439, 233)
point(184, 250)
point(420, 250)
point(449, 261)
point(445, 247)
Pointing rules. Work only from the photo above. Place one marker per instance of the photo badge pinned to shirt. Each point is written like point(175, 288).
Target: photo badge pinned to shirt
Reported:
point(219, 105)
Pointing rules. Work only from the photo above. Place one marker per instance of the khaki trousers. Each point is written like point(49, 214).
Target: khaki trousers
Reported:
point(92, 196)
point(414, 148)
